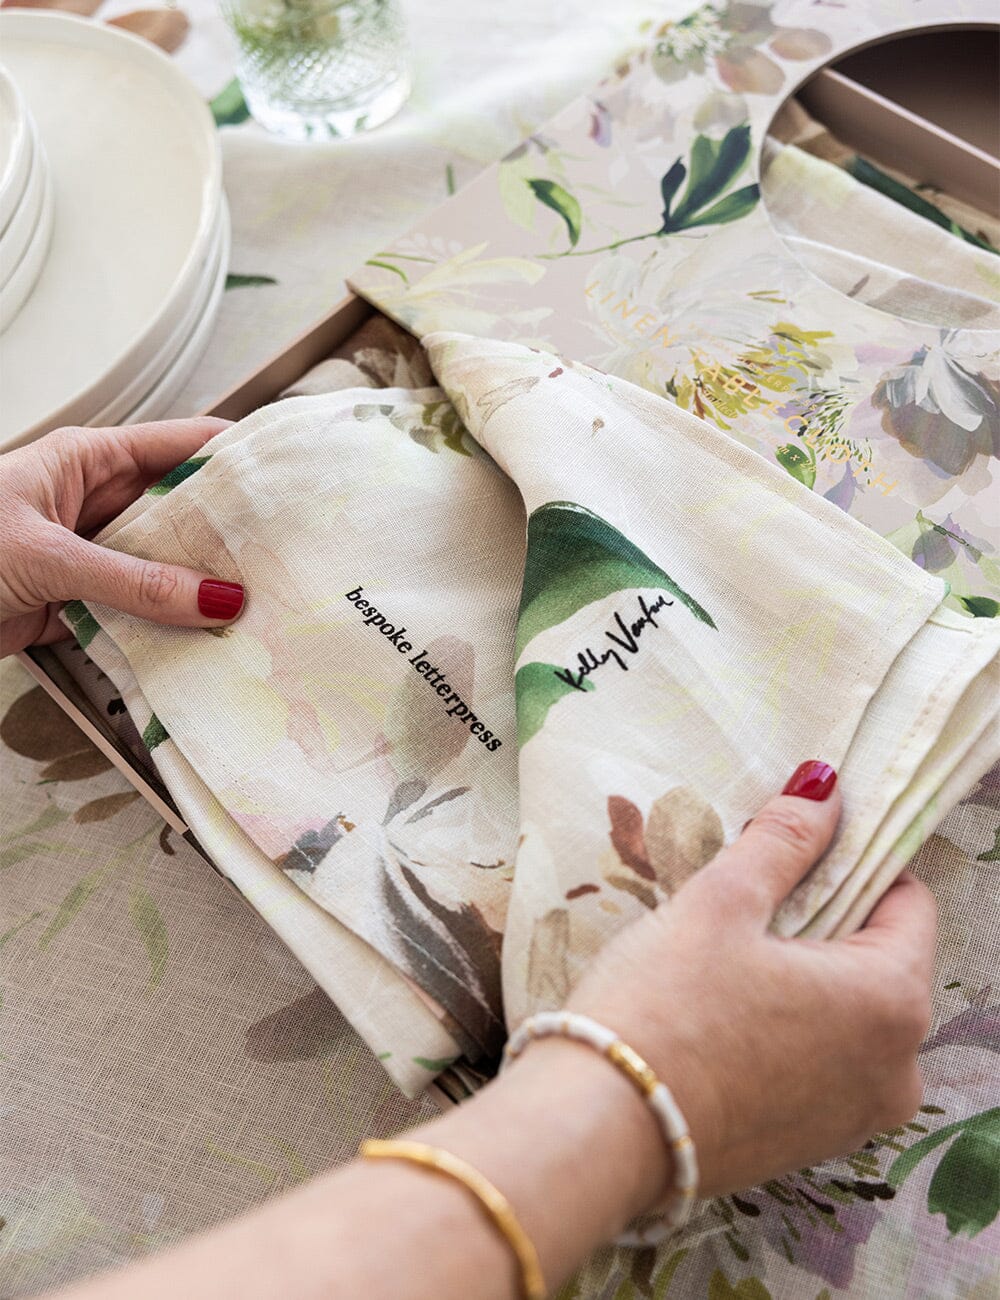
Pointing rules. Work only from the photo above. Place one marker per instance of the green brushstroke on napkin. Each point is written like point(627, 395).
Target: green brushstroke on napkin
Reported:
point(981, 606)
point(177, 475)
point(574, 558)
point(155, 733)
point(85, 626)
point(536, 689)
point(876, 179)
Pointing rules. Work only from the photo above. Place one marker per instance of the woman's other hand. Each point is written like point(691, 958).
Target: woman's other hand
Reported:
point(59, 491)
point(781, 1052)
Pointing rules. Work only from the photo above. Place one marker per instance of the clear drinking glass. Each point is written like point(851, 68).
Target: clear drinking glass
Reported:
point(312, 69)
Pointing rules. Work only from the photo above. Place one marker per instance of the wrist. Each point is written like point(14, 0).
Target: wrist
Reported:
point(569, 1073)
point(569, 1141)
point(684, 1058)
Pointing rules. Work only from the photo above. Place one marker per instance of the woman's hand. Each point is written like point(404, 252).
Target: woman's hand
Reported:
point(61, 490)
point(780, 1052)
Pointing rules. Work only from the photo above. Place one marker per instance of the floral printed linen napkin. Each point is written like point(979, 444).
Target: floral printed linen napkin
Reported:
point(520, 654)
point(874, 250)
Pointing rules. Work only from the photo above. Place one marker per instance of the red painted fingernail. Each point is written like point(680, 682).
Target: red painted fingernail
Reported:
point(812, 780)
point(219, 599)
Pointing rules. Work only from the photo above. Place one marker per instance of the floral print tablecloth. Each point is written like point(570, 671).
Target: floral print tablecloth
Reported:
point(165, 1062)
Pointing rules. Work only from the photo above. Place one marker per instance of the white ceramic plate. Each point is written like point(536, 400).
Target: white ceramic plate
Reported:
point(16, 290)
point(15, 148)
point(150, 375)
point(20, 232)
point(157, 402)
point(134, 156)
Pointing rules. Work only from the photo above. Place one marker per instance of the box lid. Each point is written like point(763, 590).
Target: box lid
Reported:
point(630, 234)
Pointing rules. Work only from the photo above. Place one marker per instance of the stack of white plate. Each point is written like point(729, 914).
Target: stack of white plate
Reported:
point(125, 294)
point(25, 202)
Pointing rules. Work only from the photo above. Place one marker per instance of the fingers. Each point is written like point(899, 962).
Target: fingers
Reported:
point(162, 593)
point(161, 445)
point(905, 921)
point(779, 846)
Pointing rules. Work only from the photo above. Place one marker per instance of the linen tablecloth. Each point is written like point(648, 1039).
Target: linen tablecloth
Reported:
point(167, 1063)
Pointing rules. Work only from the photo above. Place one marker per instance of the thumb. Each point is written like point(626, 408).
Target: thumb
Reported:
point(779, 846)
point(162, 593)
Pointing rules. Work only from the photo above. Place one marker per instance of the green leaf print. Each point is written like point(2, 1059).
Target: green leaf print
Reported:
point(966, 1184)
point(748, 1288)
point(981, 606)
point(229, 108)
point(673, 179)
point(714, 165)
point(155, 733)
point(799, 461)
point(731, 208)
point(149, 923)
point(562, 202)
point(248, 281)
point(536, 689)
point(178, 475)
point(435, 1064)
point(574, 558)
point(71, 904)
point(965, 1187)
point(85, 626)
point(875, 178)
point(666, 1275)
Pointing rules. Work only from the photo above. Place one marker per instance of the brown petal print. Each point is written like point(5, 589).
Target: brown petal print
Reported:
point(682, 834)
point(99, 810)
point(35, 727)
point(307, 1028)
point(422, 738)
point(800, 43)
point(626, 835)
point(166, 28)
point(750, 72)
point(548, 976)
point(76, 767)
point(630, 884)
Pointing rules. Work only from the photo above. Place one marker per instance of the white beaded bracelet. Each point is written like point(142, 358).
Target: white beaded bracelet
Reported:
point(566, 1024)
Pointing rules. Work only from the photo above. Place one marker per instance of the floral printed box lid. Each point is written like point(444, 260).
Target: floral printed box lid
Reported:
point(630, 234)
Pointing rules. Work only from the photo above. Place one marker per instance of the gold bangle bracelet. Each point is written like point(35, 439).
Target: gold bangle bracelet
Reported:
point(496, 1206)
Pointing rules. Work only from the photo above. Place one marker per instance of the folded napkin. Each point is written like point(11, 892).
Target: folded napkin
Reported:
point(873, 249)
point(519, 655)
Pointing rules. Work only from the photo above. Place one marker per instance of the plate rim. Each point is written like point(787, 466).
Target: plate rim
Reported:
point(194, 344)
point(32, 262)
point(74, 31)
point(20, 153)
point(216, 265)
